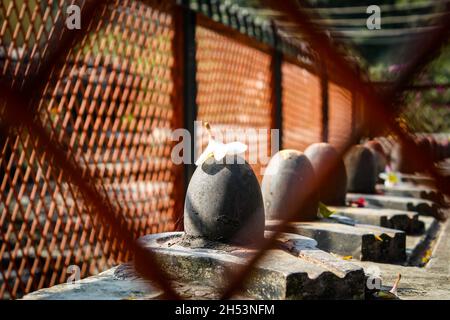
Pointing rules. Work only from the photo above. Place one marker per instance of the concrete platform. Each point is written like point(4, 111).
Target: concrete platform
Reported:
point(362, 242)
point(416, 179)
point(413, 191)
point(295, 269)
point(417, 245)
point(431, 282)
point(407, 221)
point(421, 206)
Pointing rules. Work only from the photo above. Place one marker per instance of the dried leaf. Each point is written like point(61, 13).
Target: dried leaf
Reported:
point(324, 212)
point(378, 237)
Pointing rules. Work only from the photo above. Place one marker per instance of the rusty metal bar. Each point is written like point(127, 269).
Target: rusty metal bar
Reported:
point(277, 88)
point(190, 82)
point(325, 105)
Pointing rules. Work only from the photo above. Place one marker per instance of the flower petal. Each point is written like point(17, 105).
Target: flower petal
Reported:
point(205, 155)
point(235, 148)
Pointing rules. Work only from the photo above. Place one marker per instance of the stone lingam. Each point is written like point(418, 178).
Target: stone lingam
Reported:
point(223, 204)
point(380, 157)
point(333, 194)
point(287, 192)
point(224, 220)
point(361, 173)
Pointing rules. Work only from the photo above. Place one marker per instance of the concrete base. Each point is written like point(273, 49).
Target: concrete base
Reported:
point(413, 191)
point(294, 269)
point(421, 206)
point(407, 221)
point(363, 242)
point(431, 282)
point(417, 245)
point(416, 179)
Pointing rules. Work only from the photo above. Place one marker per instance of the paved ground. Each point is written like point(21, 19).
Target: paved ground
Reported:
point(429, 282)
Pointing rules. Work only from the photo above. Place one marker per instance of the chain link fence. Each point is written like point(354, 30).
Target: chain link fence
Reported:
point(112, 102)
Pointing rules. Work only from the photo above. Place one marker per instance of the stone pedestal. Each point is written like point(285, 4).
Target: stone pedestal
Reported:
point(293, 269)
point(407, 221)
point(363, 242)
point(421, 206)
point(416, 179)
point(413, 191)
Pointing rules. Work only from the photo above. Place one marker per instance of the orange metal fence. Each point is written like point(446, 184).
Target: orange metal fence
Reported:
point(112, 104)
point(302, 107)
point(234, 89)
point(340, 118)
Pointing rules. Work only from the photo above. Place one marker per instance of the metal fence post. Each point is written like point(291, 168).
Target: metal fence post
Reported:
point(277, 59)
point(189, 82)
point(325, 104)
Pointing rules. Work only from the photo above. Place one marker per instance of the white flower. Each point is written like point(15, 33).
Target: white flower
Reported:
point(218, 149)
point(390, 178)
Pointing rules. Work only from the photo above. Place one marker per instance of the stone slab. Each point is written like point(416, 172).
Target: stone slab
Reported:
point(407, 221)
point(431, 282)
point(363, 242)
point(417, 179)
point(421, 206)
point(417, 245)
point(108, 285)
point(412, 191)
point(295, 269)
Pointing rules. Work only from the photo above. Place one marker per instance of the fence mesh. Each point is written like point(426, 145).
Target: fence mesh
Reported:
point(340, 114)
point(111, 104)
point(234, 90)
point(302, 107)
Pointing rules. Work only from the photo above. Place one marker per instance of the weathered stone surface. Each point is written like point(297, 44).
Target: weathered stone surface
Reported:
point(413, 191)
point(286, 187)
point(297, 270)
point(361, 170)
point(224, 203)
point(323, 156)
point(420, 206)
point(416, 179)
point(417, 245)
point(114, 284)
point(431, 282)
point(407, 221)
point(360, 241)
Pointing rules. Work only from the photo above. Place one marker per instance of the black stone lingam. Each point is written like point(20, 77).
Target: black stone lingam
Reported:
point(402, 159)
point(399, 159)
point(287, 180)
point(378, 153)
point(224, 203)
point(361, 170)
point(324, 156)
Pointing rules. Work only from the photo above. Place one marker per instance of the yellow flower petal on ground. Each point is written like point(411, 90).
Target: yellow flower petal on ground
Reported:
point(378, 237)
